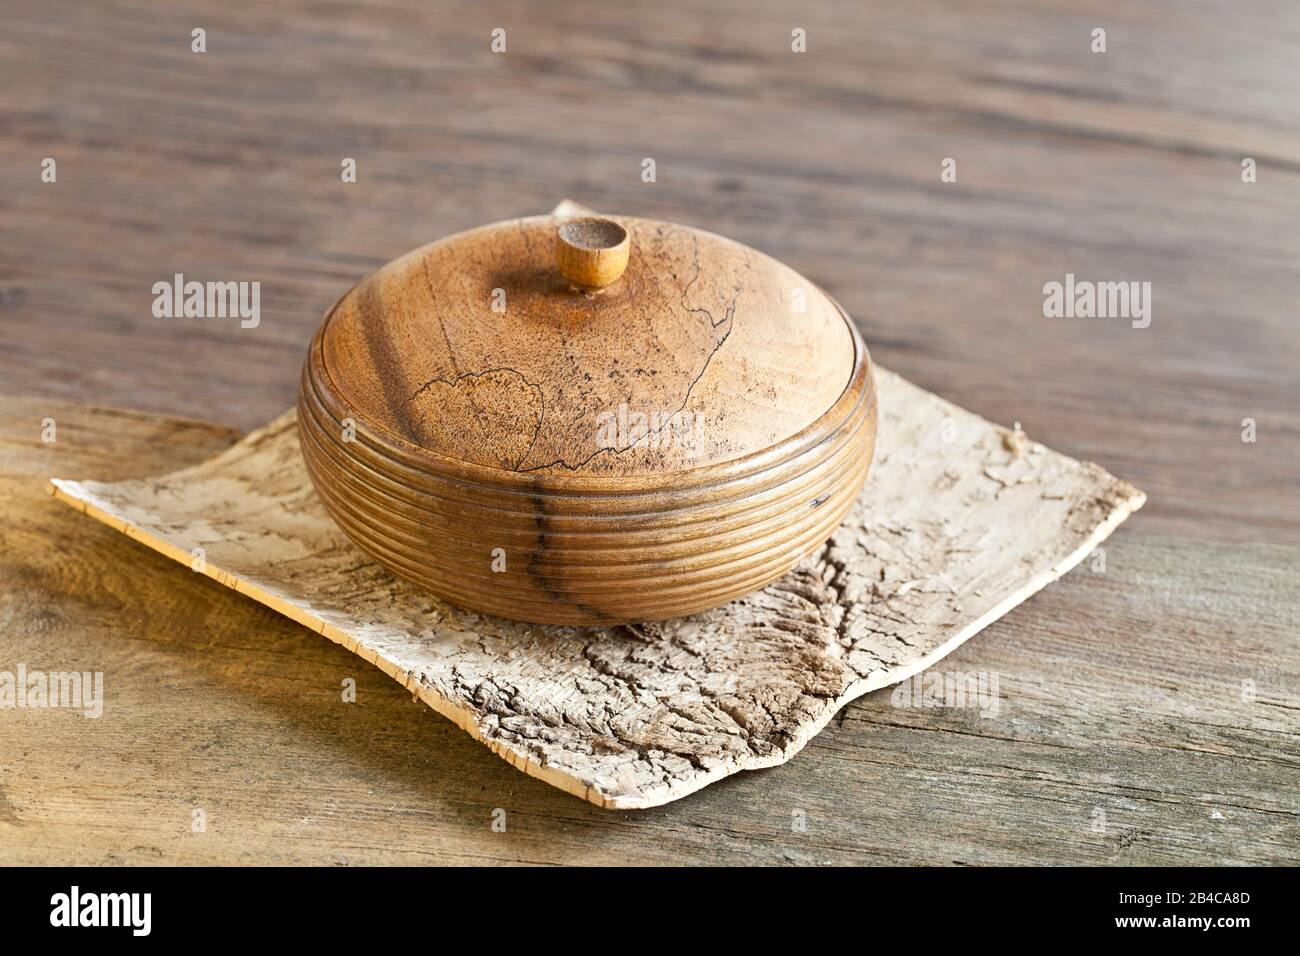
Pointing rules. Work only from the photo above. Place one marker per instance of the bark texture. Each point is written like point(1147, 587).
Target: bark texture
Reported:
point(959, 522)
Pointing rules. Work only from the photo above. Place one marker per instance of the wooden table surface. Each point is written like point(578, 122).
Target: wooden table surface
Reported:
point(1148, 713)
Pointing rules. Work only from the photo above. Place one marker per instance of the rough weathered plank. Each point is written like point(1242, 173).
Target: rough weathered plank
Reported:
point(1123, 165)
point(1117, 166)
point(216, 703)
point(959, 522)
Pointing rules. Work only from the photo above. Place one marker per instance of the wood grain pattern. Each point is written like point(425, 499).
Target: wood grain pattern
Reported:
point(514, 445)
point(946, 537)
point(1122, 165)
point(226, 166)
point(1128, 741)
point(698, 324)
point(1122, 690)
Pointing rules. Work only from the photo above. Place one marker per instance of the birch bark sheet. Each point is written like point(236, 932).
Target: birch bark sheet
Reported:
point(960, 520)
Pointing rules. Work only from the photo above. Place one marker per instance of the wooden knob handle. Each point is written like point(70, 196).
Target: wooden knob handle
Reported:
point(591, 253)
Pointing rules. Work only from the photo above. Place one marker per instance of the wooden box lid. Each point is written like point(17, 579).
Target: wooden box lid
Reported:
point(478, 349)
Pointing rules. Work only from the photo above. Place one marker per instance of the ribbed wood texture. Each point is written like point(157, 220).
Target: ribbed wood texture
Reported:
point(463, 449)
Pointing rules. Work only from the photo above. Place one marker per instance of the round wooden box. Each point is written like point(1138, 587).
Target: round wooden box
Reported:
point(587, 421)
